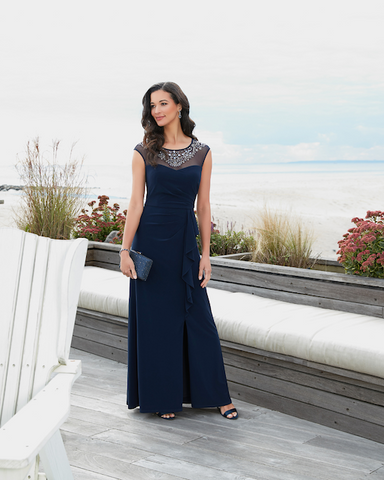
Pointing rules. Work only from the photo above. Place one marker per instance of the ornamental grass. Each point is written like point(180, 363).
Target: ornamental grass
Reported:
point(53, 194)
point(283, 240)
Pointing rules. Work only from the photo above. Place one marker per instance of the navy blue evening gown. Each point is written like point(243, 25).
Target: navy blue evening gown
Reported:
point(174, 353)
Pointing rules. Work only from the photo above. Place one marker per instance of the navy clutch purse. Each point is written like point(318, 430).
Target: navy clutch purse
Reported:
point(142, 264)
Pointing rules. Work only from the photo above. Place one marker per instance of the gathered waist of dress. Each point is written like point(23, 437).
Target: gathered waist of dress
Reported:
point(169, 206)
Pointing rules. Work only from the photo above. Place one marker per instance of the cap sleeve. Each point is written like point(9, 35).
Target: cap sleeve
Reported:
point(143, 151)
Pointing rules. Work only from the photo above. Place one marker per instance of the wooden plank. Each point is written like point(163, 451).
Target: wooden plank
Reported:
point(312, 379)
point(99, 349)
point(103, 255)
point(246, 468)
point(107, 266)
point(111, 247)
point(114, 468)
point(83, 312)
point(184, 469)
point(101, 337)
point(312, 413)
point(297, 272)
point(82, 474)
point(109, 381)
point(153, 427)
point(322, 264)
point(94, 446)
point(306, 395)
point(377, 474)
point(107, 256)
point(90, 257)
point(279, 356)
point(304, 286)
point(103, 325)
point(276, 460)
point(300, 299)
point(349, 446)
point(366, 382)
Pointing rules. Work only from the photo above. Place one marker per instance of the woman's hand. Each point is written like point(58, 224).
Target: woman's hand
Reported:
point(127, 266)
point(205, 267)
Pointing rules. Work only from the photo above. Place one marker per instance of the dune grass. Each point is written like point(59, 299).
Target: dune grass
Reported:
point(53, 194)
point(283, 240)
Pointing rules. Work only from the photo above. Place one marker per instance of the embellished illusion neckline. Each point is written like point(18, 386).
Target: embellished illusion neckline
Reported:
point(176, 157)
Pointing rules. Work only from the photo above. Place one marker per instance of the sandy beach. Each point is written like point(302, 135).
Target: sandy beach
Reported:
point(9, 208)
point(325, 202)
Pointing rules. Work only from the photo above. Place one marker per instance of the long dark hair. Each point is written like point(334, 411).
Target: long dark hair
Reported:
point(153, 134)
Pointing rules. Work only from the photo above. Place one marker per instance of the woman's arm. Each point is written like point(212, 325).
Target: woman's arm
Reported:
point(203, 208)
point(135, 209)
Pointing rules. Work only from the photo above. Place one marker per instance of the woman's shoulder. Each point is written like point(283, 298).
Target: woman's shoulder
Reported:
point(142, 150)
point(200, 149)
point(139, 147)
point(197, 146)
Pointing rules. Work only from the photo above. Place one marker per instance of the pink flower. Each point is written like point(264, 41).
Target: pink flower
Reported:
point(369, 238)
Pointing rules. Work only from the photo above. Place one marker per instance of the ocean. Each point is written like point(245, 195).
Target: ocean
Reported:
point(115, 180)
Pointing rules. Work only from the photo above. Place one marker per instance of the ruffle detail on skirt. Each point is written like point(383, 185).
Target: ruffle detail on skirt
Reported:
point(189, 257)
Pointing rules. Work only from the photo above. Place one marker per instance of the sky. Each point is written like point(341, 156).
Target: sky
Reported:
point(268, 81)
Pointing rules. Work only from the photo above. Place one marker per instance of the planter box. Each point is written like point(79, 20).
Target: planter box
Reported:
point(103, 255)
point(322, 264)
point(336, 291)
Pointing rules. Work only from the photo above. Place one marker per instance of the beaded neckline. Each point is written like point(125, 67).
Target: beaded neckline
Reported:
point(175, 158)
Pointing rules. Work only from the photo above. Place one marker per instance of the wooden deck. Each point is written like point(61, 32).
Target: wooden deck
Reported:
point(105, 441)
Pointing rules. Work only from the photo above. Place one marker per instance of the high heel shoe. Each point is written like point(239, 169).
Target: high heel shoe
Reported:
point(160, 414)
point(228, 412)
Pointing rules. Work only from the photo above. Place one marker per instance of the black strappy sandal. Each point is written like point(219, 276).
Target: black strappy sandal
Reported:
point(228, 412)
point(160, 414)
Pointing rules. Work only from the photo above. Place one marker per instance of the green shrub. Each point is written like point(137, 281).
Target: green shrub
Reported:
point(53, 194)
point(228, 243)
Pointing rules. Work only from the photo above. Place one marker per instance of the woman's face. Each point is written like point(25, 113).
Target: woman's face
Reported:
point(163, 108)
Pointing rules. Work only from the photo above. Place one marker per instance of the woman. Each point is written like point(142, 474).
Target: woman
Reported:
point(174, 353)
